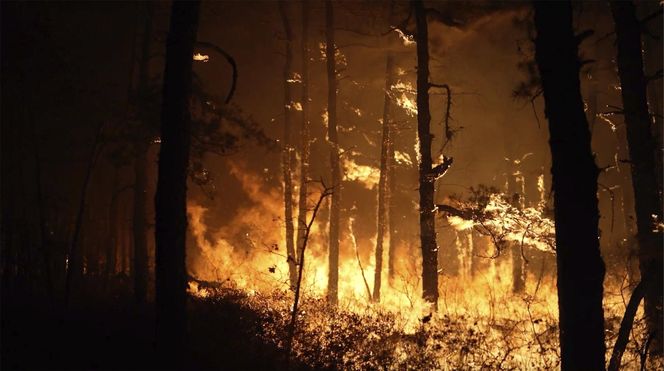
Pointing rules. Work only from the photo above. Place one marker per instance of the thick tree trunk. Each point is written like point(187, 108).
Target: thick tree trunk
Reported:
point(427, 213)
point(653, 63)
point(335, 204)
point(304, 132)
point(171, 198)
point(642, 159)
point(288, 155)
point(580, 266)
point(383, 186)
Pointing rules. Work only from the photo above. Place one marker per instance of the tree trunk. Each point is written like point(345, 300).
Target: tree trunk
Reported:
point(304, 132)
point(574, 174)
point(516, 198)
point(653, 63)
point(383, 191)
point(75, 256)
point(171, 197)
point(288, 155)
point(335, 205)
point(393, 208)
point(642, 159)
point(427, 213)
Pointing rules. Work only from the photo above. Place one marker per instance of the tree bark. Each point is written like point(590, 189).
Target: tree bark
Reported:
point(335, 204)
point(171, 197)
point(642, 159)
point(574, 173)
point(288, 155)
point(427, 214)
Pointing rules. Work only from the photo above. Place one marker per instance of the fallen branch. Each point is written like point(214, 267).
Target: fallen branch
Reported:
point(230, 61)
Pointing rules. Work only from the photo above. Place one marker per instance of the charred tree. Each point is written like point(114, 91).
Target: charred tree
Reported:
point(642, 159)
point(579, 264)
point(304, 132)
point(288, 155)
point(383, 180)
point(335, 204)
point(427, 209)
point(171, 197)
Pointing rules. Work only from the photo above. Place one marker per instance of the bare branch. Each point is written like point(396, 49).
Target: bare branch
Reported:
point(229, 59)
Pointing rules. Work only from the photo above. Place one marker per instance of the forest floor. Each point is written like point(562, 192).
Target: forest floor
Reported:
point(117, 334)
point(234, 329)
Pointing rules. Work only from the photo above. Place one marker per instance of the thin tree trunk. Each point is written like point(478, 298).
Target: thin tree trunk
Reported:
point(516, 198)
point(642, 159)
point(304, 131)
point(427, 213)
point(383, 181)
point(171, 197)
point(335, 205)
point(580, 266)
point(288, 155)
point(626, 326)
point(393, 208)
point(75, 257)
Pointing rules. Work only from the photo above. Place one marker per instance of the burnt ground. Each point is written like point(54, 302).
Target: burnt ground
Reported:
point(99, 333)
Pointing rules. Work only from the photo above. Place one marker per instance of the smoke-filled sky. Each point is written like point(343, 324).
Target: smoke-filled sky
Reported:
point(77, 72)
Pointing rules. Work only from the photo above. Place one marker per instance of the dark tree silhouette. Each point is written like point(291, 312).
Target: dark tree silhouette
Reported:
point(288, 155)
point(304, 131)
point(171, 198)
point(427, 208)
point(580, 266)
point(642, 160)
point(335, 204)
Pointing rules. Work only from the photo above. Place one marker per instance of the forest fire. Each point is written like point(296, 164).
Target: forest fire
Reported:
point(295, 185)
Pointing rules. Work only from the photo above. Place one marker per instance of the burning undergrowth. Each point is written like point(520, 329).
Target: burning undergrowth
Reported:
point(481, 322)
